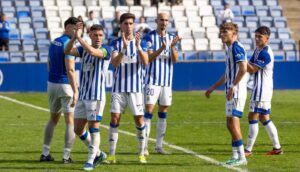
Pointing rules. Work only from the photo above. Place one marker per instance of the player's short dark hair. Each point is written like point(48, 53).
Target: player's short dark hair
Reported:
point(263, 30)
point(229, 26)
point(91, 12)
point(71, 20)
point(127, 16)
point(96, 27)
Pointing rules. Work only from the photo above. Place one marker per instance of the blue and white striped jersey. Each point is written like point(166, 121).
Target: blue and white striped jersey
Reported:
point(56, 60)
point(160, 71)
point(128, 76)
point(263, 78)
point(235, 54)
point(92, 74)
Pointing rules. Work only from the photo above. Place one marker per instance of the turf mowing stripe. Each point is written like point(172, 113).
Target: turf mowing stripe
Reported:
point(187, 151)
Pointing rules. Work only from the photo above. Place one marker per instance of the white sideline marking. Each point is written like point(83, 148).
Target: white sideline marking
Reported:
point(187, 151)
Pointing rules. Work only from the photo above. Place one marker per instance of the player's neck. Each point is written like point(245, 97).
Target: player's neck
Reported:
point(129, 37)
point(160, 32)
point(261, 47)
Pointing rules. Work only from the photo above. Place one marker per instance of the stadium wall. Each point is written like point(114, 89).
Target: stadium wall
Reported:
point(32, 77)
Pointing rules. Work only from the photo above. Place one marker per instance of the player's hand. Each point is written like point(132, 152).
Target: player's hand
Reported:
point(175, 40)
point(74, 100)
point(208, 92)
point(163, 44)
point(79, 28)
point(125, 42)
point(137, 39)
point(229, 94)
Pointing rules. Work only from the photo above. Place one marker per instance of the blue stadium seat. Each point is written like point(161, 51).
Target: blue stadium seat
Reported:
point(180, 56)
point(244, 32)
point(204, 55)
point(23, 12)
point(248, 11)
point(14, 45)
point(39, 22)
point(16, 56)
point(37, 11)
point(248, 43)
point(276, 11)
point(262, 10)
point(251, 22)
point(4, 56)
point(291, 55)
point(20, 3)
point(258, 2)
point(191, 55)
point(231, 2)
point(236, 10)
point(215, 2)
point(239, 21)
point(284, 33)
point(43, 56)
point(35, 3)
point(288, 44)
point(275, 44)
point(252, 32)
point(41, 33)
point(243, 2)
point(25, 23)
point(28, 45)
point(280, 22)
point(43, 44)
point(30, 56)
point(272, 2)
point(14, 34)
point(27, 34)
point(9, 11)
point(279, 56)
point(218, 55)
point(274, 33)
point(266, 21)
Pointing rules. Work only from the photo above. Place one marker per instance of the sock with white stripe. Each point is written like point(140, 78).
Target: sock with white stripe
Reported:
point(69, 140)
point(147, 118)
point(86, 138)
point(94, 146)
point(113, 138)
point(235, 154)
point(49, 130)
point(161, 128)
point(140, 135)
point(253, 132)
point(272, 132)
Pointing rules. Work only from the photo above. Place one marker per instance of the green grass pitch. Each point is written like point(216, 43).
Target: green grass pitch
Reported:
point(194, 123)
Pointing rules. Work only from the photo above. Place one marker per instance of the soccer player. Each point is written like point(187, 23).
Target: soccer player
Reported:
point(61, 98)
point(95, 59)
point(261, 65)
point(159, 74)
point(235, 88)
point(127, 58)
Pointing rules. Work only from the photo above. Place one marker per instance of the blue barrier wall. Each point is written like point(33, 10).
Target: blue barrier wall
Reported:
point(187, 76)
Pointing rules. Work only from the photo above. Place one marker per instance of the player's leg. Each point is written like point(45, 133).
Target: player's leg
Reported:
point(135, 102)
point(151, 95)
point(234, 111)
point(252, 133)
point(55, 109)
point(165, 100)
point(69, 120)
point(80, 122)
point(264, 117)
point(117, 106)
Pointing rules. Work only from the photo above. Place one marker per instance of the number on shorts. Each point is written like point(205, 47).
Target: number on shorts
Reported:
point(150, 92)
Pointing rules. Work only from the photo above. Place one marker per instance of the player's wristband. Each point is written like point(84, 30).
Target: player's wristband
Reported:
point(123, 50)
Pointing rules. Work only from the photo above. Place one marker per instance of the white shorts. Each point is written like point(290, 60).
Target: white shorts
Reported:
point(60, 97)
point(263, 108)
point(91, 110)
point(161, 93)
point(119, 101)
point(235, 107)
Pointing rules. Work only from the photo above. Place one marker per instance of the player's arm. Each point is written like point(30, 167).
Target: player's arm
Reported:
point(154, 54)
point(242, 71)
point(142, 54)
point(70, 67)
point(99, 53)
point(252, 68)
point(174, 53)
point(69, 50)
point(217, 84)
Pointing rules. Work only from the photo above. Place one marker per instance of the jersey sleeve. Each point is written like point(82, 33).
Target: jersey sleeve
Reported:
point(113, 46)
point(107, 50)
point(66, 55)
point(263, 59)
point(144, 45)
point(239, 53)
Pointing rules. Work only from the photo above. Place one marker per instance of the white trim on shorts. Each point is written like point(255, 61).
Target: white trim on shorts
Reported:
point(119, 102)
point(162, 94)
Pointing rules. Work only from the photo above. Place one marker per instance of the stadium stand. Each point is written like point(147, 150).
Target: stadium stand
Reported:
point(36, 22)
